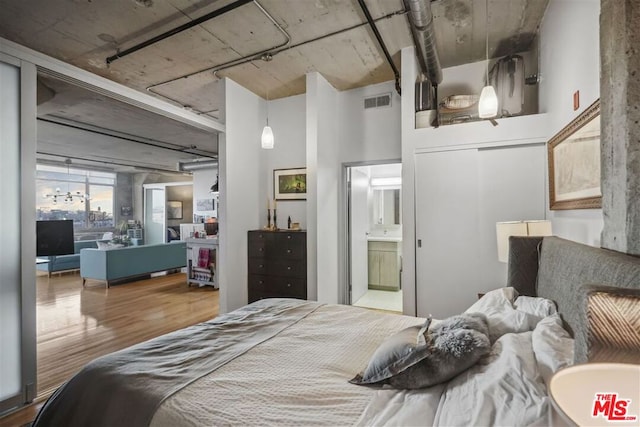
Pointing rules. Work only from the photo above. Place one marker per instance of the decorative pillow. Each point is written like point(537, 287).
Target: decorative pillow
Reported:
point(418, 357)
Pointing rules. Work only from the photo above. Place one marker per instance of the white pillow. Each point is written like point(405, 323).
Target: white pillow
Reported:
point(552, 345)
point(541, 307)
point(502, 317)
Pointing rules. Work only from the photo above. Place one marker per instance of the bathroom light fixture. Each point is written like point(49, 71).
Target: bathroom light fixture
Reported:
point(386, 181)
point(267, 134)
point(488, 103)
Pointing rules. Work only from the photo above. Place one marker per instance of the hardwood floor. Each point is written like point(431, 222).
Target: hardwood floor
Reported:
point(76, 324)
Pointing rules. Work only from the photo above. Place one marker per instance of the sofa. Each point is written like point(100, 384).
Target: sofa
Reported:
point(114, 264)
point(66, 262)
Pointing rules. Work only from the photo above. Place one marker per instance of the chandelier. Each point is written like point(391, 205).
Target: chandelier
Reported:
point(67, 197)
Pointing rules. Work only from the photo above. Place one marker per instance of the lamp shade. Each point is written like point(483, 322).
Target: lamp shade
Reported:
point(267, 137)
point(518, 228)
point(488, 103)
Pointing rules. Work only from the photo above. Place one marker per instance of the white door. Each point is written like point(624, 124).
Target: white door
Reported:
point(359, 227)
point(18, 253)
point(155, 228)
point(446, 231)
point(460, 195)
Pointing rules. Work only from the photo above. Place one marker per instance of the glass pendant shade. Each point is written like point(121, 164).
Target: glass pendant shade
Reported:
point(488, 104)
point(267, 137)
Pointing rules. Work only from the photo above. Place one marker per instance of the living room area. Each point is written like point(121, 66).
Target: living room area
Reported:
point(127, 182)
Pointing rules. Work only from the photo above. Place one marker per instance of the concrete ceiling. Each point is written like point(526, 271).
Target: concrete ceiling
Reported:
point(328, 36)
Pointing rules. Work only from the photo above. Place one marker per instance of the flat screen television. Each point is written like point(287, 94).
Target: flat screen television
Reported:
point(54, 237)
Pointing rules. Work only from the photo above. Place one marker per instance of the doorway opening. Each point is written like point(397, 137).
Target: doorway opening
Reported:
point(374, 224)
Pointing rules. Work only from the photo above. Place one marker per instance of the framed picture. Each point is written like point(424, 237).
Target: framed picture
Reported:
point(205, 205)
point(126, 210)
point(574, 163)
point(174, 209)
point(290, 184)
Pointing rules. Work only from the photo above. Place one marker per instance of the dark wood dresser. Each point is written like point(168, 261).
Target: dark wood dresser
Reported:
point(277, 264)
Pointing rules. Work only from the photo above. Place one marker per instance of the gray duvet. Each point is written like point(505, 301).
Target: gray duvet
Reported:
point(126, 388)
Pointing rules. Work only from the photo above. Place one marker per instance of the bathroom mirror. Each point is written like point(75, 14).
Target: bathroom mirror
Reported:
point(386, 207)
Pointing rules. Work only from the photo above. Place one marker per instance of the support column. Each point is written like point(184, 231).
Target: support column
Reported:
point(620, 119)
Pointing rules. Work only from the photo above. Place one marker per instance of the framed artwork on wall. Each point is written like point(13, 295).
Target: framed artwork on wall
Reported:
point(574, 163)
point(290, 184)
point(205, 205)
point(174, 209)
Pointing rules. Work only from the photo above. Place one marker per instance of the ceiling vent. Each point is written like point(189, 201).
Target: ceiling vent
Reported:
point(378, 101)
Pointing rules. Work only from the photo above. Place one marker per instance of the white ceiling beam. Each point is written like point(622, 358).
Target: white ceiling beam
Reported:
point(107, 87)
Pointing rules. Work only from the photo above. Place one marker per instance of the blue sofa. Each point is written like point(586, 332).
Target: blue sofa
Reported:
point(66, 262)
point(114, 264)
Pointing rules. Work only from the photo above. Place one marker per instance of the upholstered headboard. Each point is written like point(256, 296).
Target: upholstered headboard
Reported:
point(587, 284)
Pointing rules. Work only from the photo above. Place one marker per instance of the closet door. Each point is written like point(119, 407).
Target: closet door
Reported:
point(460, 195)
point(446, 230)
point(18, 254)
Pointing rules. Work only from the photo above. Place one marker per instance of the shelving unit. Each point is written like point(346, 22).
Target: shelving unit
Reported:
point(202, 259)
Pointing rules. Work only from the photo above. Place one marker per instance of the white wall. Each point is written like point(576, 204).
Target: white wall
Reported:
point(287, 118)
point(240, 198)
point(340, 131)
point(202, 182)
point(368, 135)
point(323, 174)
point(570, 61)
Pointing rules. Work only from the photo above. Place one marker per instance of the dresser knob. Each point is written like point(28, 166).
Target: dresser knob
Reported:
point(288, 268)
point(288, 285)
point(288, 236)
point(288, 251)
point(260, 249)
point(261, 266)
point(261, 282)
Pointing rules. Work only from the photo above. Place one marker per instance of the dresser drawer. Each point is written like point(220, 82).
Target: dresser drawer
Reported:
point(291, 287)
point(277, 245)
point(278, 267)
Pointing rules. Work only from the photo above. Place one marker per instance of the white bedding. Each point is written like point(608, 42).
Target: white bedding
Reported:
point(505, 388)
point(300, 376)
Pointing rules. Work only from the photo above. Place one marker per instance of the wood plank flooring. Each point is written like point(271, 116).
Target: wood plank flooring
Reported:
point(76, 324)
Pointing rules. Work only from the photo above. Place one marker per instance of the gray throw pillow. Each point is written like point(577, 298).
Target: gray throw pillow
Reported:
point(419, 357)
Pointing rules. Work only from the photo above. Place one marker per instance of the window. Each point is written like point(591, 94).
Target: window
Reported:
point(70, 186)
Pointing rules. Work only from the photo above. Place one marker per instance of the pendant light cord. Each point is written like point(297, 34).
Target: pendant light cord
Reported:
point(486, 41)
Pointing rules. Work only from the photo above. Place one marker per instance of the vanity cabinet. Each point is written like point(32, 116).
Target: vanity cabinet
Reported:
point(277, 264)
point(384, 265)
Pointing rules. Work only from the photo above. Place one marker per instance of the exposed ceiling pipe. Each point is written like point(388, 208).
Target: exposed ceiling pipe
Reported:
point(376, 33)
point(266, 54)
point(123, 137)
point(179, 29)
point(421, 23)
point(255, 57)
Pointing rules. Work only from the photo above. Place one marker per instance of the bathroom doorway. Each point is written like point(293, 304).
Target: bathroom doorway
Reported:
point(375, 236)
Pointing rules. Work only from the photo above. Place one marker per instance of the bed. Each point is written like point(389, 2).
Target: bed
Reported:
point(289, 362)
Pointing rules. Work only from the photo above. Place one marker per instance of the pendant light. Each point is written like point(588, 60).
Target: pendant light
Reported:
point(267, 134)
point(488, 103)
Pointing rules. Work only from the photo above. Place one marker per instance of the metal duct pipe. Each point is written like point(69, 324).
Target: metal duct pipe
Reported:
point(421, 24)
point(197, 165)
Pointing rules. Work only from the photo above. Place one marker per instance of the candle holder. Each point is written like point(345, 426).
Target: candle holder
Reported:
point(268, 227)
point(275, 221)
